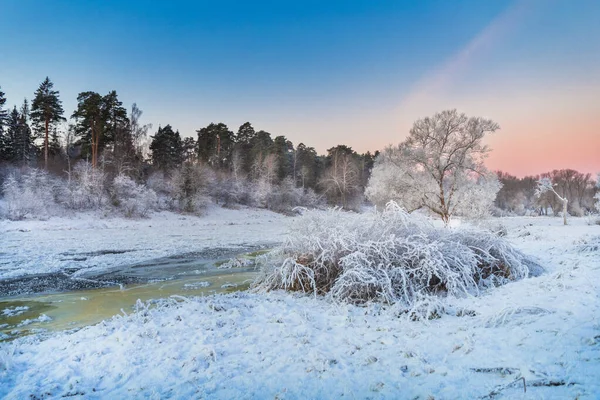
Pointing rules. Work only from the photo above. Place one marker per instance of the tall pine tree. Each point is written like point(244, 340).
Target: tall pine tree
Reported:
point(89, 124)
point(215, 144)
point(166, 148)
point(46, 112)
point(3, 139)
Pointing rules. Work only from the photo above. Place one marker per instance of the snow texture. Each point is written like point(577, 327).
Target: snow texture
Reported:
point(92, 243)
point(541, 332)
point(393, 257)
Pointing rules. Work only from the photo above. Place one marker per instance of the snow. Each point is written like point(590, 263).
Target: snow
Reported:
point(32, 247)
point(543, 332)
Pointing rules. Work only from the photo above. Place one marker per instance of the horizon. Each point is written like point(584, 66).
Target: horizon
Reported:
point(306, 72)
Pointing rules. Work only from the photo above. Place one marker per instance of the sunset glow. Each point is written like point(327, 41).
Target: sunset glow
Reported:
point(347, 72)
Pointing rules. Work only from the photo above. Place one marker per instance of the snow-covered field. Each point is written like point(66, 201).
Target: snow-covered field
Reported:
point(540, 334)
point(92, 244)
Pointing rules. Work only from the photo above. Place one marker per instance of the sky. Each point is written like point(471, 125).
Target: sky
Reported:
point(327, 72)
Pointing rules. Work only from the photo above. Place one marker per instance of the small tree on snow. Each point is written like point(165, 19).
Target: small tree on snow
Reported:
point(437, 167)
point(545, 185)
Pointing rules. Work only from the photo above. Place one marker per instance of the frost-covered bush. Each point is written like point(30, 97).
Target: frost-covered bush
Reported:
point(284, 197)
point(32, 194)
point(229, 191)
point(85, 188)
point(132, 199)
point(191, 187)
point(164, 189)
point(392, 256)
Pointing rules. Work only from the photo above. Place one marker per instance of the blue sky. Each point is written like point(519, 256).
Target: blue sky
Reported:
point(319, 72)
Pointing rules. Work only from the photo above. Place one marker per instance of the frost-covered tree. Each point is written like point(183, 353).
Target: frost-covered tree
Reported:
point(597, 195)
point(86, 189)
point(545, 185)
point(440, 166)
point(264, 171)
point(341, 180)
point(133, 199)
point(139, 131)
point(46, 112)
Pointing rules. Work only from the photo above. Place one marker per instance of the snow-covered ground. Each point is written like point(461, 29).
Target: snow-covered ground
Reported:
point(542, 334)
point(91, 243)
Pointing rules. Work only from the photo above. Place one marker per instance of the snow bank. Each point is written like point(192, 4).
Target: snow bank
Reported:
point(393, 257)
point(543, 332)
point(93, 243)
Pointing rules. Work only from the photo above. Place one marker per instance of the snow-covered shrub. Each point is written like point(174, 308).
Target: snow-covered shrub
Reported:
point(228, 191)
point(29, 195)
point(259, 192)
point(392, 256)
point(133, 199)
point(85, 189)
point(191, 187)
point(164, 189)
point(284, 197)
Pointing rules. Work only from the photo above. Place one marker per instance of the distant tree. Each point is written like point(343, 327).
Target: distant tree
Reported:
point(25, 149)
point(54, 146)
point(4, 151)
point(284, 150)
point(341, 179)
point(215, 144)
point(46, 111)
point(597, 195)
point(9, 136)
point(437, 166)
point(139, 131)
point(305, 166)
point(89, 123)
point(116, 131)
point(260, 146)
point(243, 144)
point(189, 149)
point(545, 185)
point(245, 133)
point(166, 148)
point(575, 186)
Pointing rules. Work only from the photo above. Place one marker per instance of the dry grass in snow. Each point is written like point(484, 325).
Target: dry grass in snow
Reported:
point(392, 257)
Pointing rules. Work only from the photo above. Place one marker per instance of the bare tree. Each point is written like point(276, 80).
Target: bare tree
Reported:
point(341, 181)
point(439, 166)
point(545, 185)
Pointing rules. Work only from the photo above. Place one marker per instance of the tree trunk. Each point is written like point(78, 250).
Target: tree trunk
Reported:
point(46, 147)
point(565, 201)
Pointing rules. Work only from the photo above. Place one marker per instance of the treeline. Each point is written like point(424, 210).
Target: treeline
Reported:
point(518, 195)
point(231, 167)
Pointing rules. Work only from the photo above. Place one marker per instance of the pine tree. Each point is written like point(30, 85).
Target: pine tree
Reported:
point(116, 129)
point(54, 147)
point(89, 123)
point(243, 139)
point(3, 118)
point(25, 148)
point(46, 111)
point(215, 144)
point(166, 148)
point(284, 150)
point(11, 136)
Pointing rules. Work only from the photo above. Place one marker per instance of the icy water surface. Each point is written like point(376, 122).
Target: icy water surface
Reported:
point(185, 275)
